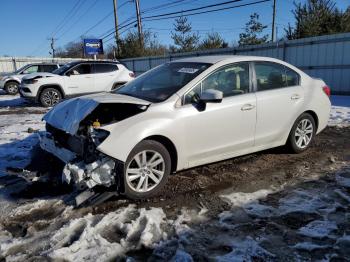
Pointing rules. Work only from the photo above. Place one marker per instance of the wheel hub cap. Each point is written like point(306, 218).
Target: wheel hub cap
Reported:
point(145, 171)
point(303, 133)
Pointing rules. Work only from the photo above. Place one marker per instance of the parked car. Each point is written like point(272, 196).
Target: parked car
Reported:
point(74, 79)
point(184, 114)
point(10, 81)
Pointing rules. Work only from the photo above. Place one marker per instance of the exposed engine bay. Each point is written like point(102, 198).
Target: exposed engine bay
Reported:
point(86, 167)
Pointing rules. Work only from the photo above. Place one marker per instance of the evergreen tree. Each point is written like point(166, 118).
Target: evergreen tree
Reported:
point(318, 17)
point(211, 41)
point(183, 37)
point(252, 32)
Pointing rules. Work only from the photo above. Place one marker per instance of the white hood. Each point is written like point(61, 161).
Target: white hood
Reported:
point(68, 114)
point(38, 75)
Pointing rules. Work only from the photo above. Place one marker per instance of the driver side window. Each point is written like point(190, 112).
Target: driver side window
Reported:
point(31, 69)
point(82, 69)
point(230, 80)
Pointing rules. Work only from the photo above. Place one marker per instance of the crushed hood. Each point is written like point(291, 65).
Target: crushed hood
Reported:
point(68, 114)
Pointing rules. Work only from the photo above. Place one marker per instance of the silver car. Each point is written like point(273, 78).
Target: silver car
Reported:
point(10, 81)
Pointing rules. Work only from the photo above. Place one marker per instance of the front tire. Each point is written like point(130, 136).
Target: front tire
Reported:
point(146, 170)
point(302, 133)
point(11, 88)
point(50, 97)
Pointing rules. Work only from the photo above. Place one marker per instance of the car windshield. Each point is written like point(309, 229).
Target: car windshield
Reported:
point(159, 84)
point(18, 71)
point(63, 69)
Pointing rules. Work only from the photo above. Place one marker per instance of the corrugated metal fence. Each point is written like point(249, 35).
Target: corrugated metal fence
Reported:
point(326, 57)
point(10, 64)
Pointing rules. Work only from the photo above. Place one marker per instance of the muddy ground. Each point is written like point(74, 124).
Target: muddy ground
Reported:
point(287, 207)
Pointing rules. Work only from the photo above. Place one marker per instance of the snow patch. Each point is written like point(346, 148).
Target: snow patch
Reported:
point(106, 237)
point(340, 116)
point(343, 179)
point(246, 250)
point(240, 198)
point(318, 229)
point(309, 246)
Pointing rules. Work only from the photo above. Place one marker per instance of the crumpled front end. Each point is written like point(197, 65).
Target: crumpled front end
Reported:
point(74, 130)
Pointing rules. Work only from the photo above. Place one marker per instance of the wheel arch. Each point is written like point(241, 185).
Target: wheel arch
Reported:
point(56, 86)
point(169, 145)
point(12, 80)
point(314, 116)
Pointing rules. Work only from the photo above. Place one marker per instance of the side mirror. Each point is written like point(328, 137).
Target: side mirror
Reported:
point(211, 96)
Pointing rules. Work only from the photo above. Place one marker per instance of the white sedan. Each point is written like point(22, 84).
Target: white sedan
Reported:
point(183, 114)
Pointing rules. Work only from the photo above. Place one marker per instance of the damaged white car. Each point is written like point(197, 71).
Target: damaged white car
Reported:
point(184, 114)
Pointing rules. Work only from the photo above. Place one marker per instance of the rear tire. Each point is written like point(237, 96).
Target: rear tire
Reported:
point(146, 170)
point(302, 133)
point(11, 88)
point(50, 97)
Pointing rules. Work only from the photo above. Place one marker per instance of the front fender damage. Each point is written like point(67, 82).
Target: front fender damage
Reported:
point(74, 131)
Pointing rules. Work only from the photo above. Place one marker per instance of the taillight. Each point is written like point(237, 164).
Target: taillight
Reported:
point(131, 74)
point(327, 90)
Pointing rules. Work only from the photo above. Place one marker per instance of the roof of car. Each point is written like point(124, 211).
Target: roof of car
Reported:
point(96, 61)
point(218, 58)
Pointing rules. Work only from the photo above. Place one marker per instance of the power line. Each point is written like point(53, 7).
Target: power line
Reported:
point(208, 11)
point(77, 20)
point(161, 16)
point(197, 8)
point(68, 17)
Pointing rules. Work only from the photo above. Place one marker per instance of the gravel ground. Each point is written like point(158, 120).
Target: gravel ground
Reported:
point(267, 206)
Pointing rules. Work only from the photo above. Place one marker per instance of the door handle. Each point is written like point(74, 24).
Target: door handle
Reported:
point(295, 97)
point(247, 107)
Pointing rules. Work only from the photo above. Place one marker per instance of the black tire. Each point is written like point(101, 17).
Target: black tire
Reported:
point(11, 87)
point(149, 146)
point(293, 138)
point(50, 97)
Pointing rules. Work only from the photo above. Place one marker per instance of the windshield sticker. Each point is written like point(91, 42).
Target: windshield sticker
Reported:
point(188, 70)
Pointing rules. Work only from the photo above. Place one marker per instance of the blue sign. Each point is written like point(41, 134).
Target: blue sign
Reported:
point(93, 46)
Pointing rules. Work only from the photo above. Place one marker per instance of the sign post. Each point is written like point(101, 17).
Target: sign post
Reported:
point(93, 47)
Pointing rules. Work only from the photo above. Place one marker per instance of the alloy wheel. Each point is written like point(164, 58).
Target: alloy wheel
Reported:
point(51, 98)
point(303, 133)
point(145, 171)
point(12, 88)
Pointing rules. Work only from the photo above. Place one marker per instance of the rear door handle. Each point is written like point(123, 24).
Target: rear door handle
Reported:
point(295, 97)
point(247, 107)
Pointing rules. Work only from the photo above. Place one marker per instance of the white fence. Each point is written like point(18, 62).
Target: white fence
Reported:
point(10, 64)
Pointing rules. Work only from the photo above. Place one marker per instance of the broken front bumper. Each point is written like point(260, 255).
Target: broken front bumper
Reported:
point(100, 172)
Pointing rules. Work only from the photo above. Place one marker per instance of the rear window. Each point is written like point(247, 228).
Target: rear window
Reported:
point(47, 68)
point(105, 68)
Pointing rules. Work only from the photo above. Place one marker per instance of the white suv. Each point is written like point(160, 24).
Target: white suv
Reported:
point(73, 79)
point(10, 81)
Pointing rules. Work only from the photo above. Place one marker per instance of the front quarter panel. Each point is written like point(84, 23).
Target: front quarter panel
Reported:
point(126, 134)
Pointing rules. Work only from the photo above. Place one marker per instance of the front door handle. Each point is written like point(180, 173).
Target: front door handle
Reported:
point(247, 107)
point(295, 97)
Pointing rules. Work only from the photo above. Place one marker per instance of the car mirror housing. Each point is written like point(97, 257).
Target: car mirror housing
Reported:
point(211, 96)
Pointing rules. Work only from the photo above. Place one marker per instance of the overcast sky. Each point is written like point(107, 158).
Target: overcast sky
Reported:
point(26, 24)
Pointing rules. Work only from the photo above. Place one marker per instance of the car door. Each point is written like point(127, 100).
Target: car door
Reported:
point(279, 100)
point(105, 75)
point(224, 129)
point(80, 79)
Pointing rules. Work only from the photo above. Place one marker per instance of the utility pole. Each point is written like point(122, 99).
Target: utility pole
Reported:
point(273, 21)
point(116, 27)
point(52, 45)
point(139, 24)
